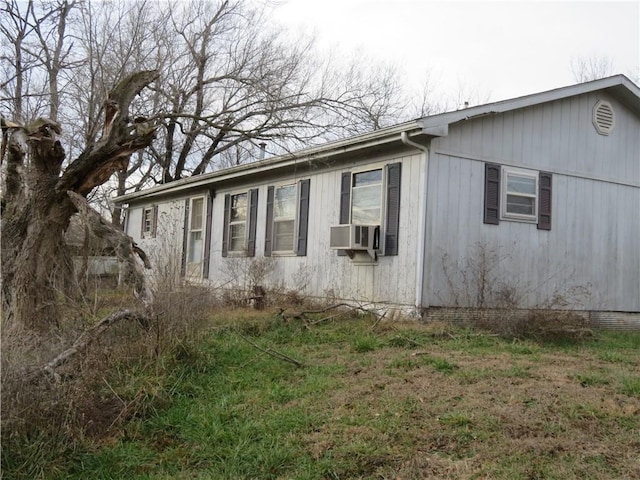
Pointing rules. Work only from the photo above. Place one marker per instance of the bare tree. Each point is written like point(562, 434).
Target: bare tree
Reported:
point(586, 69)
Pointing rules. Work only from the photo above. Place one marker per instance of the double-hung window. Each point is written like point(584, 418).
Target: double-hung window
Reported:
point(238, 223)
point(366, 197)
point(284, 218)
point(196, 231)
point(287, 219)
point(149, 222)
point(372, 197)
point(520, 194)
point(517, 194)
point(239, 230)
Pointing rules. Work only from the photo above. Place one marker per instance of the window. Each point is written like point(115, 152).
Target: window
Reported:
point(366, 198)
point(518, 195)
point(238, 223)
point(239, 232)
point(372, 197)
point(284, 217)
point(287, 219)
point(149, 222)
point(196, 231)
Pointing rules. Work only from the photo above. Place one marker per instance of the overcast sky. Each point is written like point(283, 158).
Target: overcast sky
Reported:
point(499, 49)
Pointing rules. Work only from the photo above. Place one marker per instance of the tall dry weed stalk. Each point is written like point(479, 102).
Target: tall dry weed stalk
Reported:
point(119, 375)
point(496, 301)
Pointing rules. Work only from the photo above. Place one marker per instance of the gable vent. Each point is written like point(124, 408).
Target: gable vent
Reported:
point(603, 117)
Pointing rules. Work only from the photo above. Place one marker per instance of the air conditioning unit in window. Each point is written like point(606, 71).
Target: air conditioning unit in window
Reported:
point(355, 237)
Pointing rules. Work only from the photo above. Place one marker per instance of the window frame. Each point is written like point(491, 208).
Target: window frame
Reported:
point(507, 171)
point(231, 223)
point(295, 219)
point(390, 206)
point(250, 222)
point(148, 229)
point(383, 188)
point(191, 230)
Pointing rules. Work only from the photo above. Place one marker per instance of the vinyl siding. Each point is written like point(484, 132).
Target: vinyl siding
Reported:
point(322, 271)
point(593, 242)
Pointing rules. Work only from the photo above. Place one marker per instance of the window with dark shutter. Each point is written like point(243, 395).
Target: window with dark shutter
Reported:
point(207, 236)
point(253, 220)
point(345, 202)
point(303, 218)
point(544, 202)
point(225, 229)
point(393, 209)
point(185, 238)
point(269, 225)
point(492, 194)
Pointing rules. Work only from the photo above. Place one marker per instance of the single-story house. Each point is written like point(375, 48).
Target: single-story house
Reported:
point(532, 202)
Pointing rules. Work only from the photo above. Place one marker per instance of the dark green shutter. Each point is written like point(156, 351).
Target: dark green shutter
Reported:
point(185, 238)
point(345, 202)
point(269, 225)
point(207, 236)
point(544, 201)
point(225, 226)
point(394, 172)
point(253, 220)
point(303, 218)
point(491, 193)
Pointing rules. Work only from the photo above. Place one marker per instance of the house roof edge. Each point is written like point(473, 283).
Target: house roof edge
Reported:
point(377, 137)
point(628, 91)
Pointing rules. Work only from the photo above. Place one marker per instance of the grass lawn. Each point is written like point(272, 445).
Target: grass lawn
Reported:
point(398, 401)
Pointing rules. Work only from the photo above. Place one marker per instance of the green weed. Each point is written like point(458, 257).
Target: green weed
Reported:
point(630, 386)
point(366, 343)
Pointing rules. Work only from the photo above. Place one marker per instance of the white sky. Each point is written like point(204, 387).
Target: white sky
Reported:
point(497, 49)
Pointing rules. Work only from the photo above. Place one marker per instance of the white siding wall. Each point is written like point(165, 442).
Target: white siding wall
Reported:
point(322, 271)
point(595, 236)
point(165, 250)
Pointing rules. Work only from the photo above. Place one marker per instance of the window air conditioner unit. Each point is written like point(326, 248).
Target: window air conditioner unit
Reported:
point(356, 237)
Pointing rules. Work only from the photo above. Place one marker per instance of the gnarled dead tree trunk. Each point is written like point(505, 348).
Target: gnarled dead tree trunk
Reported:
point(37, 205)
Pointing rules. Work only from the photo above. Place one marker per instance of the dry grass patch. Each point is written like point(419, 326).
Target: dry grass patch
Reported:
point(381, 400)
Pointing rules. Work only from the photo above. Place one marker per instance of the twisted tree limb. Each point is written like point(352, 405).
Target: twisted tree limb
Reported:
point(87, 337)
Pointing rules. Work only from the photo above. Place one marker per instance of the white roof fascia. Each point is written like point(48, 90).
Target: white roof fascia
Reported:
point(371, 139)
point(437, 122)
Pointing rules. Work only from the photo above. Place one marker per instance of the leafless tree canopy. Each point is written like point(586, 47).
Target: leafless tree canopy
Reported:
point(228, 80)
point(586, 69)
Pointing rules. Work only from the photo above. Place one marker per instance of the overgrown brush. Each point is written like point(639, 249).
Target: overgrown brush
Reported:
point(121, 374)
point(492, 299)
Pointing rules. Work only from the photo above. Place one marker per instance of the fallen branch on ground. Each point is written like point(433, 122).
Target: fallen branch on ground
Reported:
point(303, 315)
point(271, 352)
point(87, 337)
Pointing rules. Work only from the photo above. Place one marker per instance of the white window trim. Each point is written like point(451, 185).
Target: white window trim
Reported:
point(242, 252)
point(201, 229)
point(504, 215)
point(292, 252)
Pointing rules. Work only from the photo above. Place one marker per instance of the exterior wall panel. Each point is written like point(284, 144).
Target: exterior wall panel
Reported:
point(593, 243)
point(322, 272)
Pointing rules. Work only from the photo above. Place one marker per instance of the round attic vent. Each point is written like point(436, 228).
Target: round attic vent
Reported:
point(603, 117)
